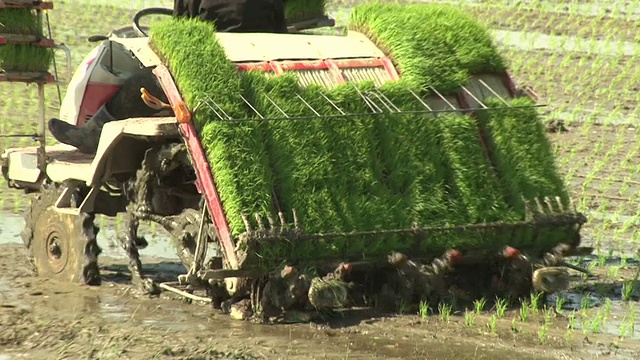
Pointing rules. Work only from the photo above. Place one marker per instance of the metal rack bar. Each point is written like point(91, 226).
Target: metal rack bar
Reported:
point(552, 215)
point(375, 101)
point(27, 77)
point(55, 65)
point(42, 153)
point(493, 92)
point(475, 98)
point(443, 98)
point(18, 39)
point(33, 136)
point(22, 4)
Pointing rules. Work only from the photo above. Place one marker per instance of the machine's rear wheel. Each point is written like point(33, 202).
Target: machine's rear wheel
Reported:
point(63, 245)
point(186, 244)
point(184, 229)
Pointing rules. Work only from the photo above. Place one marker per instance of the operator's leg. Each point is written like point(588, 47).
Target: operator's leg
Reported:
point(126, 103)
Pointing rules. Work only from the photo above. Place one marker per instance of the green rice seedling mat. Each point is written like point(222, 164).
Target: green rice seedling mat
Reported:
point(19, 24)
point(368, 173)
point(25, 58)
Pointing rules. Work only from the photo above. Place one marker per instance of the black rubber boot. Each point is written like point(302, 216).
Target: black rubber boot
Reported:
point(126, 103)
point(86, 137)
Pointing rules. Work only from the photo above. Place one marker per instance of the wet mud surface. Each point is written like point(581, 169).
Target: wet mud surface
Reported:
point(44, 319)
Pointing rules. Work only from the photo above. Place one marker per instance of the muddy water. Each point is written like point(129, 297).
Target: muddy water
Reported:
point(117, 306)
point(116, 309)
point(539, 41)
point(592, 314)
point(171, 321)
point(161, 246)
point(594, 117)
point(10, 227)
point(113, 308)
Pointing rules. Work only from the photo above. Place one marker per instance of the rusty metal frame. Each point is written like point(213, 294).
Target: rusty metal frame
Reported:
point(205, 177)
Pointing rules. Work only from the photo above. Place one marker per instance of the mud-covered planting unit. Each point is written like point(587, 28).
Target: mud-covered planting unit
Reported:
point(395, 164)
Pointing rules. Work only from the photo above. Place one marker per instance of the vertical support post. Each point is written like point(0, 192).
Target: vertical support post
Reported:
point(42, 155)
point(40, 22)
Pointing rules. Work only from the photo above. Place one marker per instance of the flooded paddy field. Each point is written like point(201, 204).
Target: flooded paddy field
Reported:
point(580, 57)
point(48, 320)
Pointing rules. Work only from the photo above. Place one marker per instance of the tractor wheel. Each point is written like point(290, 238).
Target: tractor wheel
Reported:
point(63, 245)
point(184, 230)
point(47, 196)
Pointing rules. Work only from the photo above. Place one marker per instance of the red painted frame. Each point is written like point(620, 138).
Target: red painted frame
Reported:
point(509, 83)
point(45, 78)
point(43, 42)
point(328, 64)
point(204, 182)
point(42, 5)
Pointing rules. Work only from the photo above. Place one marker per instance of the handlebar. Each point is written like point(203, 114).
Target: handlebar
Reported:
point(146, 12)
point(67, 54)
